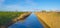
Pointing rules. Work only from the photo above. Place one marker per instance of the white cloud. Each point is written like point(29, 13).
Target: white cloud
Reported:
point(31, 3)
point(14, 8)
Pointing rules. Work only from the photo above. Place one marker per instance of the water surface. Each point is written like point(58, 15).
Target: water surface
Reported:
point(30, 22)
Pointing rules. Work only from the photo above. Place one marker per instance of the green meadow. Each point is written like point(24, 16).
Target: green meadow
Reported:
point(6, 17)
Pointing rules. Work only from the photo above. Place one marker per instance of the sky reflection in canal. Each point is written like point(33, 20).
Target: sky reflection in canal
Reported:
point(30, 22)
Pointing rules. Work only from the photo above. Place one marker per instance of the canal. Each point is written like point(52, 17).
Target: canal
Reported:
point(29, 22)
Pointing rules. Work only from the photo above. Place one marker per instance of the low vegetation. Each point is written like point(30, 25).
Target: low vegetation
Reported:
point(6, 17)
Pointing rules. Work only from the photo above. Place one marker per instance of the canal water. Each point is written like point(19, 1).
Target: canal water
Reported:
point(30, 22)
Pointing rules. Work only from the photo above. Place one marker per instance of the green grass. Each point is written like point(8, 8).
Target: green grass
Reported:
point(6, 17)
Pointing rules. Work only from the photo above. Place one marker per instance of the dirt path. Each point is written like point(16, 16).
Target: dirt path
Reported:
point(22, 17)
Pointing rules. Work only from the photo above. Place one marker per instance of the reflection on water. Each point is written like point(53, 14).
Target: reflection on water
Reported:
point(30, 22)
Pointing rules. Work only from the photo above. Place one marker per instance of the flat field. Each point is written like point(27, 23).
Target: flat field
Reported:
point(6, 17)
point(52, 19)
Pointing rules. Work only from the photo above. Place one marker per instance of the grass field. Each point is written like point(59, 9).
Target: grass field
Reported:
point(6, 17)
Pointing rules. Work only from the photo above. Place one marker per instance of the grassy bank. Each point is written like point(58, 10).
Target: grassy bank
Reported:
point(6, 17)
point(52, 19)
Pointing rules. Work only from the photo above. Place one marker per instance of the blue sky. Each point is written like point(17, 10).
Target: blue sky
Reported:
point(29, 5)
